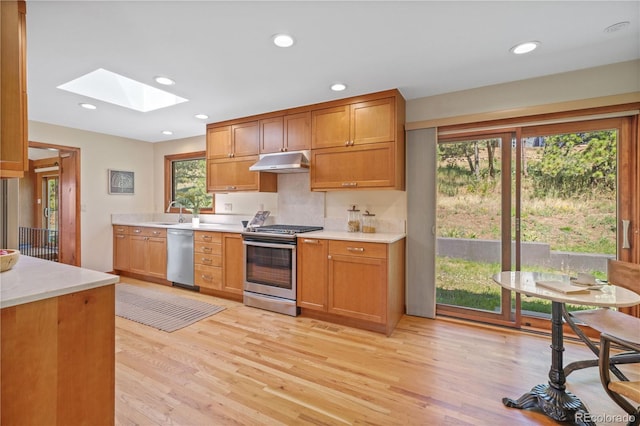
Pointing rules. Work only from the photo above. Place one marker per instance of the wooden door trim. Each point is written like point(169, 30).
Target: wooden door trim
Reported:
point(76, 152)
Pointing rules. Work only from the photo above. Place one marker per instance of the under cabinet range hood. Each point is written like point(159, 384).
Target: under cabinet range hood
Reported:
point(283, 162)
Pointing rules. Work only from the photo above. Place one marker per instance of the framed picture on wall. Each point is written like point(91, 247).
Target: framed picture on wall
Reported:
point(121, 182)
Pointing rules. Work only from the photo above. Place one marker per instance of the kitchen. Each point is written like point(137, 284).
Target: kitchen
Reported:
point(101, 152)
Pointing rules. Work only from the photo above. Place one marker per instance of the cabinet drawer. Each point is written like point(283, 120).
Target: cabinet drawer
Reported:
point(207, 237)
point(208, 276)
point(207, 248)
point(357, 248)
point(148, 232)
point(120, 230)
point(207, 259)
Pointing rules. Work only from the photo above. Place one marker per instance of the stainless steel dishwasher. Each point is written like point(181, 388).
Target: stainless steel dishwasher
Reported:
point(180, 257)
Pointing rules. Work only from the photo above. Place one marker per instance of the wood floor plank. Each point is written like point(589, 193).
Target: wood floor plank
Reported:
point(246, 366)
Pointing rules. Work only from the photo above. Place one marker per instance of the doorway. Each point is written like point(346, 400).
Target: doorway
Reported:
point(547, 197)
point(50, 202)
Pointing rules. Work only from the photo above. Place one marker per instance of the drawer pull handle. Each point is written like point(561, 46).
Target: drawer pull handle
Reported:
point(120, 230)
point(207, 249)
point(308, 241)
point(357, 249)
point(119, 236)
point(156, 232)
point(349, 184)
point(206, 277)
point(206, 237)
point(231, 187)
point(206, 260)
point(137, 231)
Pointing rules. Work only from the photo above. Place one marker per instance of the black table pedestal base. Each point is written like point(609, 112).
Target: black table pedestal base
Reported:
point(558, 404)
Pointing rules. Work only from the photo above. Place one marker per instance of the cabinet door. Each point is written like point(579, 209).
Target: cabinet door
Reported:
point(373, 121)
point(364, 166)
point(297, 131)
point(157, 257)
point(271, 135)
point(245, 138)
point(330, 127)
point(219, 142)
point(233, 263)
point(138, 254)
point(208, 277)
point(13, 96)
point(358, 287)
point(312, 273)
point(120, 252)
point(233, 174)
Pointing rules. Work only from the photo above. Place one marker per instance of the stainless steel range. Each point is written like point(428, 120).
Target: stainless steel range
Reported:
point(270, 267)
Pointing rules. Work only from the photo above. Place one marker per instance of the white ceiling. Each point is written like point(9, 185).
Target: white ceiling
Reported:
point(221, 56)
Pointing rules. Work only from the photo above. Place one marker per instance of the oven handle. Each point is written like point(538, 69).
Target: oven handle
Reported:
point(269, 245)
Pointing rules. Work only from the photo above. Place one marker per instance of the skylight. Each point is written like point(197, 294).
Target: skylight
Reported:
point(116, 89)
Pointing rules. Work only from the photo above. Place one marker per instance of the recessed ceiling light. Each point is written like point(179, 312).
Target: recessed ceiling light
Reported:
point(338, 87)
point(283, 40)
point(87, 106)
point(202, 116)
point(524, 47)
point(165, 81)
point(116, 89)
point(167, 132)
point(617, 27)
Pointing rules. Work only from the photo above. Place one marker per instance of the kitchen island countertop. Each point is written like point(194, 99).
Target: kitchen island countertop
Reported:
point(33, 279)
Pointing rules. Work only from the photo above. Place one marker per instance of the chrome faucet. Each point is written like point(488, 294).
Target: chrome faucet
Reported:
point(180, 217)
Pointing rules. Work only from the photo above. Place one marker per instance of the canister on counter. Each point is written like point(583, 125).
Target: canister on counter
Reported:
point(353, 219)
point(368, 222)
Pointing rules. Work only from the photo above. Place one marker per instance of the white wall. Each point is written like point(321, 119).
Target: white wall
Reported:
point(98, 154)
point(614, 79)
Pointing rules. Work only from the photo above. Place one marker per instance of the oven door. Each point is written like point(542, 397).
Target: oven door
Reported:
point(270, 268)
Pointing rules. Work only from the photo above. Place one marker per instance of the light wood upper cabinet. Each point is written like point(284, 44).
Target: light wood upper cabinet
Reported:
point(359, 144)
point(271, 135)
point(219, 142)
point(245, 138)
point(291, 132)
point(237, 140)
point(233, 174)
point(354, 124)
point(330, 127)
point(14, 159)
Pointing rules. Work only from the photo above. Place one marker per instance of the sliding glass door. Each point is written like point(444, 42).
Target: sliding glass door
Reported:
point(539, 198)
point(473, 184)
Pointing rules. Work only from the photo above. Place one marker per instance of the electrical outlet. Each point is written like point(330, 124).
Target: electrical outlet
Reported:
point(228, 207)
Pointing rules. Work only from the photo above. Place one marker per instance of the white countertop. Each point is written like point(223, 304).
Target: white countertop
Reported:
point(355, 236)
point(33, 279)
point(216, 227)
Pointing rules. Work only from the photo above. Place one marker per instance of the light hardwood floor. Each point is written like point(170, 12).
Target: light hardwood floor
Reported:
point(246, 366)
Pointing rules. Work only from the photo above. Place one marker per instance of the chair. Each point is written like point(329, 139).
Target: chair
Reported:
point(622, 391)
point(614, 323)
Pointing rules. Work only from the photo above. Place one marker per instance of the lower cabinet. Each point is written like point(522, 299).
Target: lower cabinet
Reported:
point(218, 263)
point(357, 283)
point(207, 259)
point(232, 261)
point(312, 274)
point(140, 250)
